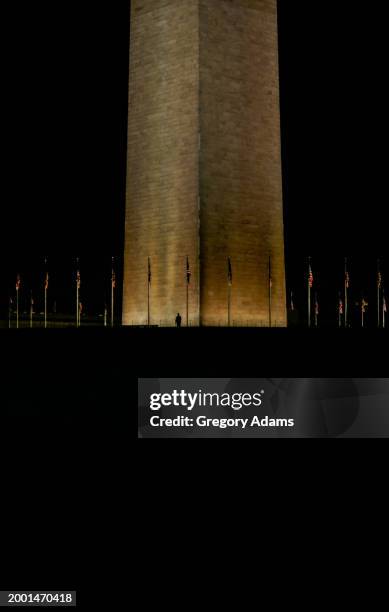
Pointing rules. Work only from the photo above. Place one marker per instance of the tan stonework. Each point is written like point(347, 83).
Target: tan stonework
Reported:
point(204, 162)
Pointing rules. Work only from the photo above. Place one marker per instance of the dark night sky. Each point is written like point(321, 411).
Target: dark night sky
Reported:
point(64, 99)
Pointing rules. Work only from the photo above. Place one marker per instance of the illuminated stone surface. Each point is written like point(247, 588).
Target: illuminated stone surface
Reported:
point(204, 162)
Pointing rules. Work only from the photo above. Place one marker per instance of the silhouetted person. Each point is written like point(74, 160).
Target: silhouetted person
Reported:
point(178, 320)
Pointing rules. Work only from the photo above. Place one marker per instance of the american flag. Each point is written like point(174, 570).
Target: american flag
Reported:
point(18, 282)
point(78, 279)
point(364, 304)
point(188, 272)
point(229, 272)
point(340, 306)
point(379, 279)
point(46, 285)
point(310, 277)
point(149, 273)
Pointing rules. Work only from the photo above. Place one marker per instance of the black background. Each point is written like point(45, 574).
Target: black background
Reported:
point(67, 397)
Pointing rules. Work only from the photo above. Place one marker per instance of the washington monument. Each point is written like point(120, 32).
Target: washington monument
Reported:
point(204, 181)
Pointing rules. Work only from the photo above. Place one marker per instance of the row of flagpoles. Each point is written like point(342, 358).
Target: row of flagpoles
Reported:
point(343, 302)
point(343, 306)
point(78, 301)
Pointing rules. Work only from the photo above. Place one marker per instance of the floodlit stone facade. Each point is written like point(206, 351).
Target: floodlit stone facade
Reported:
point(204, 163)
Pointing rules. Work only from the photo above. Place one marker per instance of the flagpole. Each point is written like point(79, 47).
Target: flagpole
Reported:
point(229, 290)
point(77, 296)
point(187, 290)
point(229, 305)
point(148, 293)
point(345, 292)
point(112, 305)
point(17, 300)
point(316, 307)
point(45, 307)
point(378, 293)
point(148, 305)
point(46, 282)
point(363, 311)
point(187, 304)
point(309, 293)
point(270, 293)
point(113, 281)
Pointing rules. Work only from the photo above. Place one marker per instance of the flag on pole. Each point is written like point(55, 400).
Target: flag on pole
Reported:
point(18, 282)
point(46, 284)
point(229, 272)
point(347, 280)
point(379, 279)
point(78, 279)
point(310, 277)
point(340, 306)
point(188, 272)
point(364, 305)
point(149, 270)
